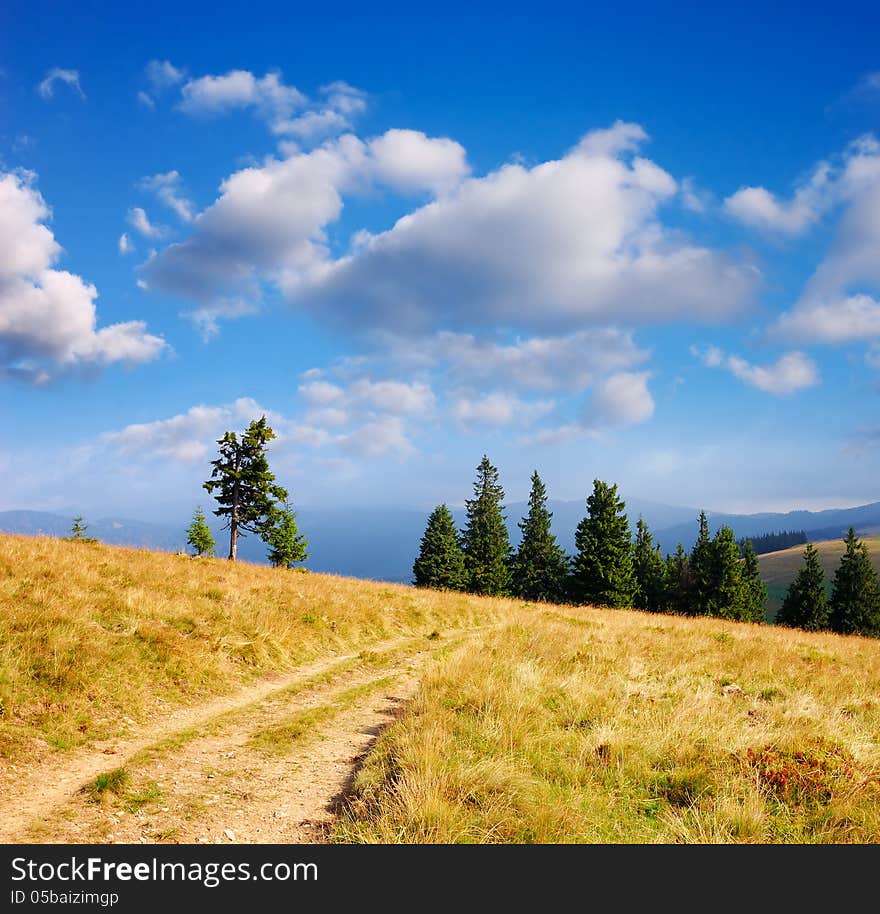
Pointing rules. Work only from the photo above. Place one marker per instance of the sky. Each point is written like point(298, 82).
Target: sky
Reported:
point(637, 244)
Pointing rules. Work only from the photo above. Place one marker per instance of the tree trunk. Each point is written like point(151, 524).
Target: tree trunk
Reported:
point(233, 518)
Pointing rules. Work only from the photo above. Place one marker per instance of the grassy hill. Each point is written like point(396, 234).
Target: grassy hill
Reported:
point(778, 569)
point(92, 634)
point(544, 724)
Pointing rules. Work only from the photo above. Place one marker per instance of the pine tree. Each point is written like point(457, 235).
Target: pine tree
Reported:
point(648, 570)
point(485, 541)
point(287, 545)
point(603, 573)
point(854, 607)
point(679, 582)
point(198, 534)
point(246, 488)
point(540, 566)
point(755, 593)
point(805, 605)
point(440, 563)
point(727, 593)
point(78, 531)
point(701, 570)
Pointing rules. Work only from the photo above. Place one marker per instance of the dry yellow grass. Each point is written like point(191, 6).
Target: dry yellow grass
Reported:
point(93, 634)
point(586, 725)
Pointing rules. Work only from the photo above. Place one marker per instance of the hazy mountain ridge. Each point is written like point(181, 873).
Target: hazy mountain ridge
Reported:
point(382, 544)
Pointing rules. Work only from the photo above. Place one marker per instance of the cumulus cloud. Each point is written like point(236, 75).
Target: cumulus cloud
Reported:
point(185, 437)
point(791, 372)
point(839, 302)
point(377, 438)
point(497, 408)
point(57, 75)
point(570, 362)
point(334, 114)
point(621, 399)
point(759, 208)
point(125, 245)
point(48, 318)
point(711, 356)
point(394, 397)
point(568, 242)
point(163, 75)
point(168, 188)
point(240, 89)
point(140, 221)
point(271, 219)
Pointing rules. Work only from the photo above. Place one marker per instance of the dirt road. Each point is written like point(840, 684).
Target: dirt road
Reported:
point(265, 765)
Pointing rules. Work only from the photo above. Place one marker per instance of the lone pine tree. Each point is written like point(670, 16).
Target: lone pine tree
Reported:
point(805, 605)
point(198, 534)
point(649, 572)
point(603, 572)
point(245, 487)
point(440, 563)
point(540, 566)
point(287, 546)
point(485, 541)
point(854, 607)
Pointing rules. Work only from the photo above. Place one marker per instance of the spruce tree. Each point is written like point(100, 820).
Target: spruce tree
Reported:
point(603, 572)
point(485, 541)
point(727, 592)
point(440, 563)
point(679, 583)
point(854, 608)
point(648, 570)
point(755, 592)
point(246, 489)
point(78, 531)
point(198, 534)
point(701, 570)
point(287, 546)
point(805, 605)
point(540, 566)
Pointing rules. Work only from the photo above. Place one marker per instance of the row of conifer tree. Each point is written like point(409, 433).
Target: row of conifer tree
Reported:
point(718, 577)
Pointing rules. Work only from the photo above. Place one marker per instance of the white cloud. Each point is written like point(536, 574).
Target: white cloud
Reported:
point(138, 220)
point(48, 317)
point(69, 77)
point(711, 356)
point(334, 115)
point(395, 397)
point(497, 408)
point(145, 99)
point(407, 160)
point(162, 75)
point(240, 89)
point(621, 399)
point(843, 320)
point(167, 187)
point(567, 242)
point(186, 437)
point(570, 362)
point(125, 245)
point(693, 198)
point(791, 372)
point(839, 302)
point(382, 436)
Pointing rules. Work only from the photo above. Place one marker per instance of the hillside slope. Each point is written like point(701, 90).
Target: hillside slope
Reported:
point(779, 569)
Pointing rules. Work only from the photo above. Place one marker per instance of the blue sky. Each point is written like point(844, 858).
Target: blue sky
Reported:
point(640, 245)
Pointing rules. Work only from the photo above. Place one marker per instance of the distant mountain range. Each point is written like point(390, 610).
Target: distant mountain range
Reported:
point(382, 543)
